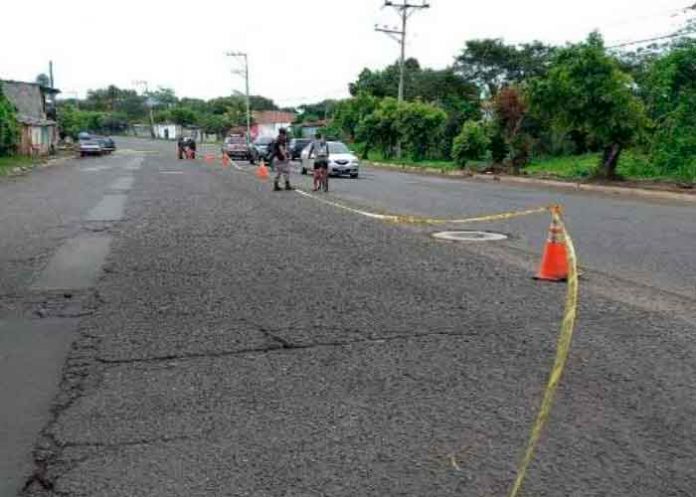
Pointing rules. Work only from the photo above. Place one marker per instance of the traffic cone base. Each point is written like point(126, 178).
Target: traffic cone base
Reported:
point(554, 263)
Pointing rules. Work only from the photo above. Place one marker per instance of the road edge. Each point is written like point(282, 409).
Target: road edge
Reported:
point(565, 185)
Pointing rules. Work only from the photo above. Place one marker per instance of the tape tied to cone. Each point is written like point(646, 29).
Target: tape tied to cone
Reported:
point(563, 263)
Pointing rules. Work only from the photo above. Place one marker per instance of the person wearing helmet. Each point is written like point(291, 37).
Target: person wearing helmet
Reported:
point(281, 160)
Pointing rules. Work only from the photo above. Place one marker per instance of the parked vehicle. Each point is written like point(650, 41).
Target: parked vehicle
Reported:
point(297, 145)
point(89, 145)
point(262, 146)
point(341, 161)
point(235, 146)
point(107, 143)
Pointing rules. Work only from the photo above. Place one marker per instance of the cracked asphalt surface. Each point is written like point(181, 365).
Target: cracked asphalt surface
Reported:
point(248, 343)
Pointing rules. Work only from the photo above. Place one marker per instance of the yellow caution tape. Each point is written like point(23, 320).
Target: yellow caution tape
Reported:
point(567, 326)
point(563, 348)
point(399, 219)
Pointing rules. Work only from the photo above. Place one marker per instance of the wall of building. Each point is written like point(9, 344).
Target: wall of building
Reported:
point(37, 139)
point(167, 131)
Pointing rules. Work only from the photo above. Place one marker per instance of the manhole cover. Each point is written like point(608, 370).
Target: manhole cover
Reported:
point(470, 236)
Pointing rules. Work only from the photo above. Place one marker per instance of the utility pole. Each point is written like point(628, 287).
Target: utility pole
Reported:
point(245, 73)
point(50, 73)
point(405, 11)
point(142, 84)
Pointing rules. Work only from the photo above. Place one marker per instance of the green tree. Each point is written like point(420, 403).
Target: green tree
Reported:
point(670, 90)
point(183, 116)
point(165, 97)
point(350, 112)
point(470, 144)
point(43, 80)
point(9, 131)
point(420, 127)
point(257, 102)
point(492, 64)
point(585, 89)
point(380, 128)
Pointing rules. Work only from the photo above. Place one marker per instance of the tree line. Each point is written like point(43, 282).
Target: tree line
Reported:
point(509, 103)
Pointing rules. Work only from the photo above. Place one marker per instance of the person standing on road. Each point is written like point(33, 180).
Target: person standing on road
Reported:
point(320, 149)
point(281, 160)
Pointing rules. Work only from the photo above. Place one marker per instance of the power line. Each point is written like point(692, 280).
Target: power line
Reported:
point(684, 31)
point(405, 11)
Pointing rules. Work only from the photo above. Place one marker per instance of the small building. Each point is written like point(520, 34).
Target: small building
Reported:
point(35, 107)
point(167, 131)
point(268, 123)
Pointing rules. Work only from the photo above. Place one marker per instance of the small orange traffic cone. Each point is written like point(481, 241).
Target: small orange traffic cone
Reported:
point(209, 158)
point(225, 160)
point(554, 263)
point(262, 172)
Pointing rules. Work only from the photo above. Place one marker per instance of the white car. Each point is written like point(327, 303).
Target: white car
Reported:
point(341, 160)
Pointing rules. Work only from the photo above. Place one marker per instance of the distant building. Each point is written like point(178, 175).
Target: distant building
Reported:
point(268, 123)
point(36, 115)
point(167, 131)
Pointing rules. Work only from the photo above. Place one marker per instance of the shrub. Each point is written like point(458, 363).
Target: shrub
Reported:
point(9, 131)
point(471, 143)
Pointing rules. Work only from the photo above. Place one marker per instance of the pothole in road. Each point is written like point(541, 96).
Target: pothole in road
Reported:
point(470, 236)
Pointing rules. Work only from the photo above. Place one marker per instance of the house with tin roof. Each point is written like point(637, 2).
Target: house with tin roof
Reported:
point(36, 115)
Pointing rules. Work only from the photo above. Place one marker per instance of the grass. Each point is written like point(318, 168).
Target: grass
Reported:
point(9, 163)
point(444, 165)
point(632, 166)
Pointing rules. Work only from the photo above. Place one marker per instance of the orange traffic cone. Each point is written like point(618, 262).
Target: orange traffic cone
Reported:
point(554, 263)
point(262, 172)
point(225, 160)
point(209, 158)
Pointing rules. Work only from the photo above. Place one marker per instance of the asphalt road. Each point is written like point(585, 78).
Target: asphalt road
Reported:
point(228, 340)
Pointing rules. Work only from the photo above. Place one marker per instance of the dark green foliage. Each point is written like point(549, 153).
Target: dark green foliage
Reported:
point(586, 90)
point(492, 64)
point(9, 129)
point(470, 144)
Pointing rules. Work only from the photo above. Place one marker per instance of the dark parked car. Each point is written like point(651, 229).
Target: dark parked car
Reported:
point(235, 146)
point(297, 145)
point(262, 146)
point(107, 144)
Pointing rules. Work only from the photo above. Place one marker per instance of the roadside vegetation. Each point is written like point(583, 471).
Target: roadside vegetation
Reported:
point(573, 112)
point(579, 111)
point(9, 163)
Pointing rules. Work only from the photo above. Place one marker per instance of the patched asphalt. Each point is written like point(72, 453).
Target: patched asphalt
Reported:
point(253, 343)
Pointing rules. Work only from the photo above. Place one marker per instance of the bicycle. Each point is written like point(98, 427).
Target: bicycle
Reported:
point(321, 178)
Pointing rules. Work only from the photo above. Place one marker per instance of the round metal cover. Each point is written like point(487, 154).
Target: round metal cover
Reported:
point(470, 236)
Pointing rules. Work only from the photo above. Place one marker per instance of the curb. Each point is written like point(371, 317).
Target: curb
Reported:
point(567, 185)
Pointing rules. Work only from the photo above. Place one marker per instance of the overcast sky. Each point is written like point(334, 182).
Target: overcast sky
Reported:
point(300, 51)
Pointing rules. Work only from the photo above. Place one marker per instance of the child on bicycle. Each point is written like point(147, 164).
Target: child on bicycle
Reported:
point(320, 149)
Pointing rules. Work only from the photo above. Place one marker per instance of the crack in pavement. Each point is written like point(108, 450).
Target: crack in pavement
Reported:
point(283, 346)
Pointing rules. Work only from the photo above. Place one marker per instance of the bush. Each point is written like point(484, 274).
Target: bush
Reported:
point(471, 144)
point(421, 127)
point(9, 131)
point(497, 145)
